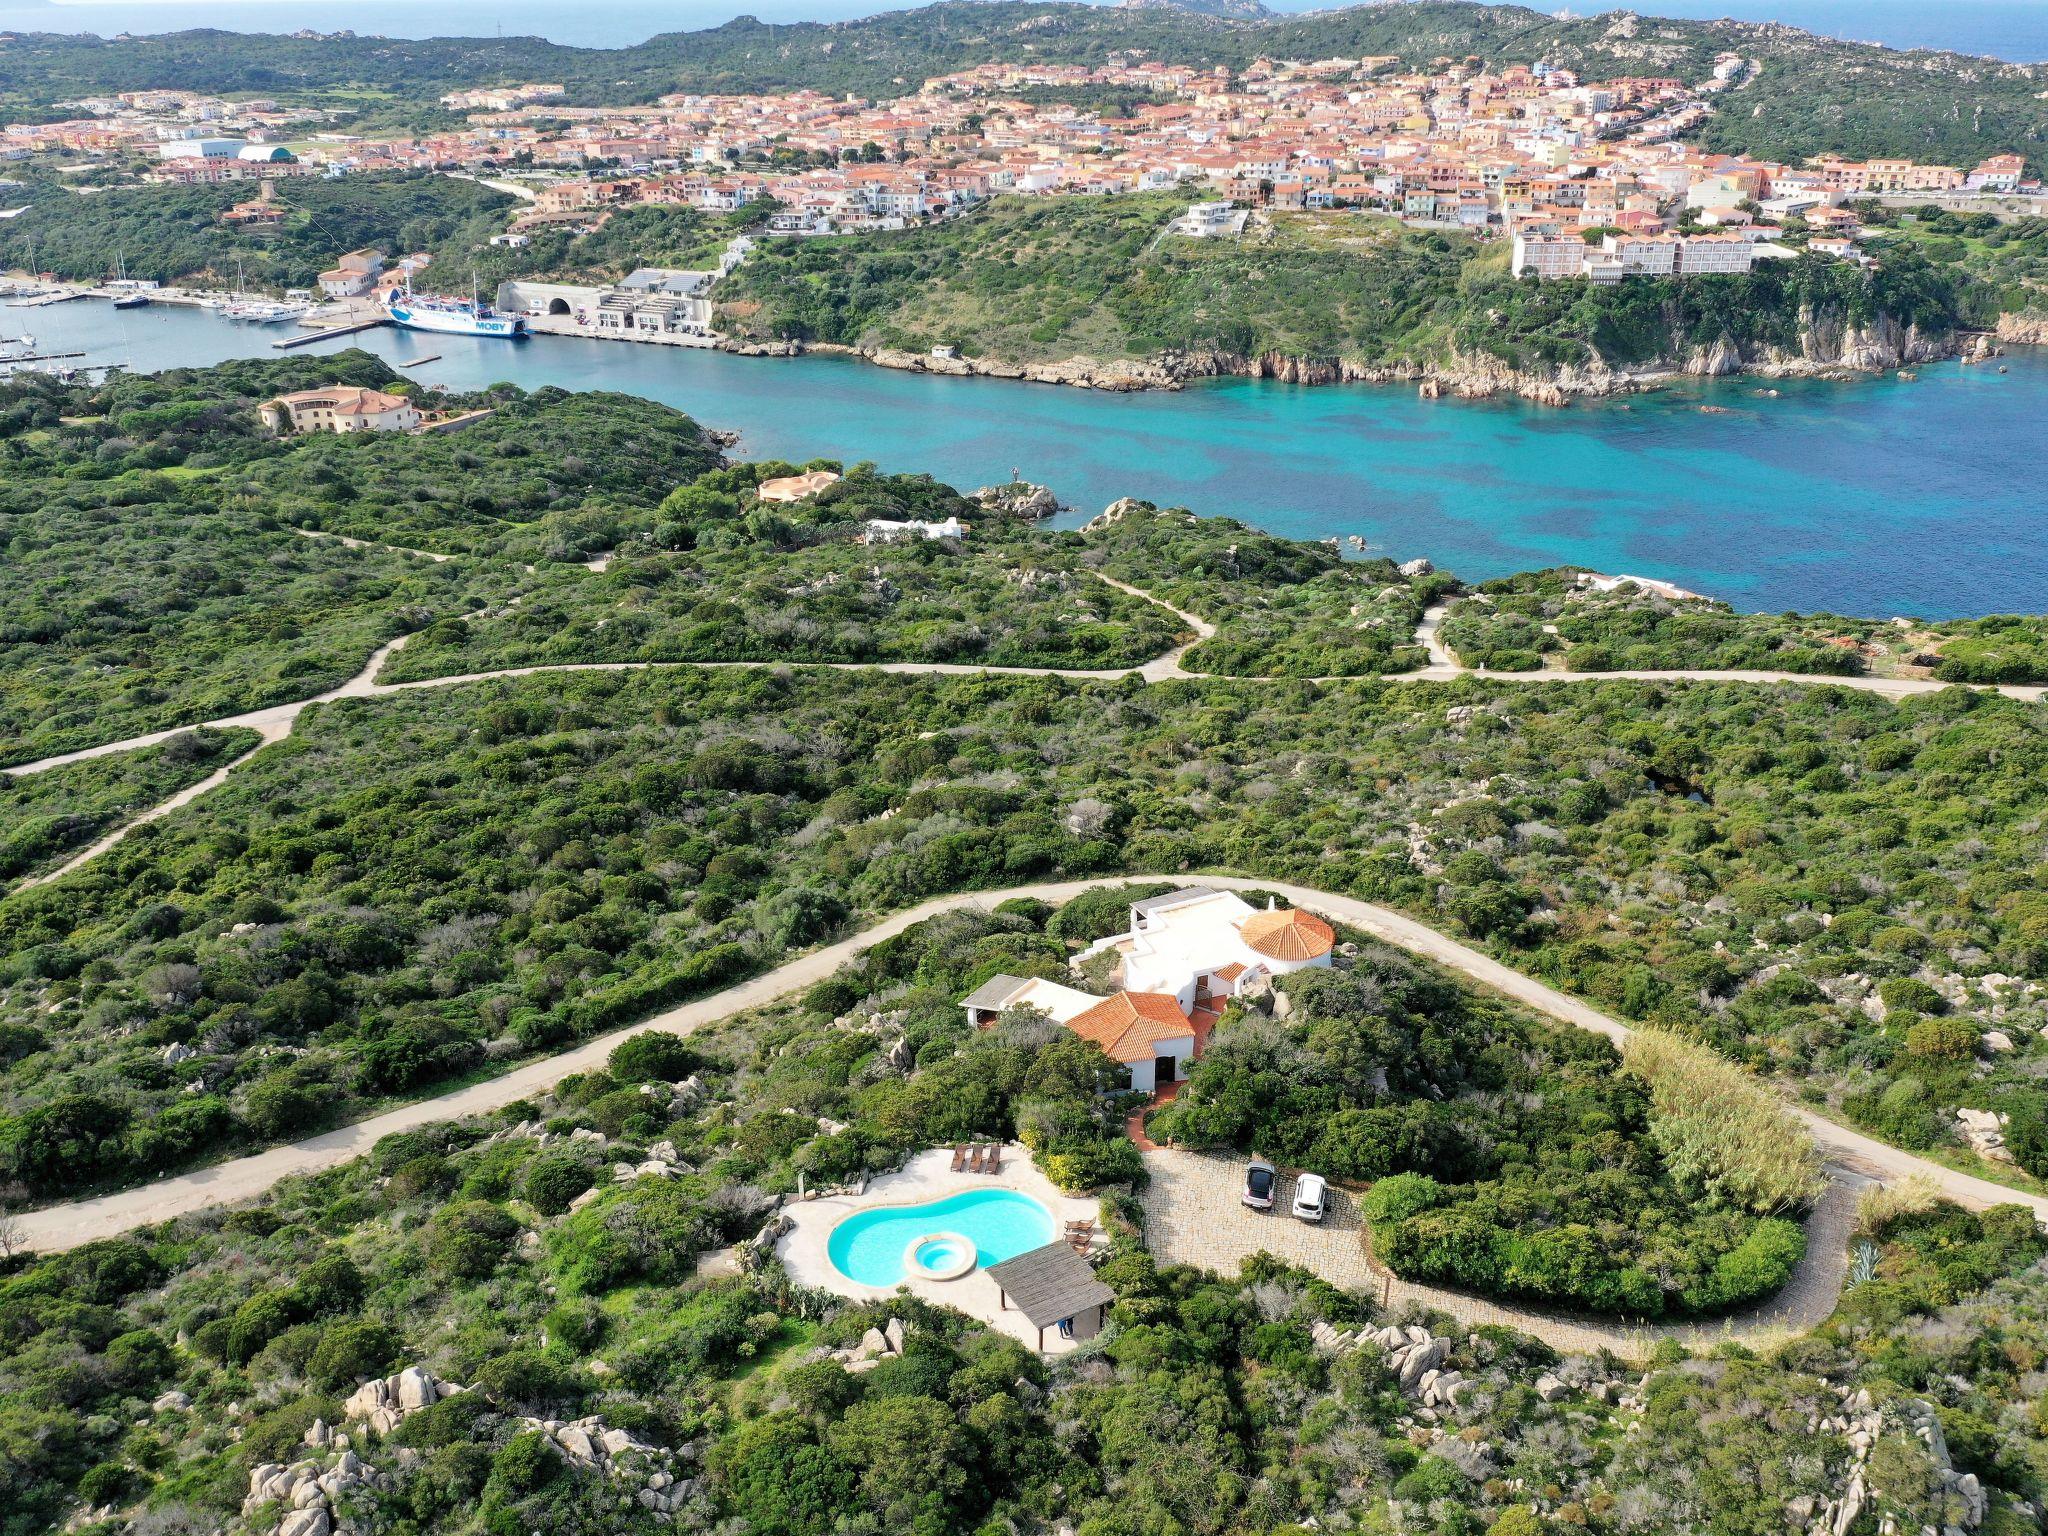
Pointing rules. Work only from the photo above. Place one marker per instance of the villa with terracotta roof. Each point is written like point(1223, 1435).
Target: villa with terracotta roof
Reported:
point(1148, 1032)
point(1198, 945)
point(1185, 954)
point(341, 408)
point(796, 487)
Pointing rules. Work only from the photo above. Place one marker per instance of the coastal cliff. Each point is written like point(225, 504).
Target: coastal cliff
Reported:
point(1828, 346)
point(2026, 327)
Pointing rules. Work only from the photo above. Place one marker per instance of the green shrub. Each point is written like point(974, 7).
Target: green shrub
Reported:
point(556, 1179)
point(653, 1055)
point(468, 1240)
point(525, 1463)
point(1402, 1196)
point(353, 1351)
point(1948, 1039)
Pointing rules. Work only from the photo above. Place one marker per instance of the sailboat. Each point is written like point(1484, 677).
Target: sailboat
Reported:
point(126, 295)
point(252, 309)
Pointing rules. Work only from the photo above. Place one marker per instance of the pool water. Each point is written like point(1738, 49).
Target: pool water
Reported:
point(869, 1247)
point(940, 1255)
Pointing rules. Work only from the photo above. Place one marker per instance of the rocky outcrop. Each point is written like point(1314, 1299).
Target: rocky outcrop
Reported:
point(385, 1404)
point(2026, 327)
point(1413, 1354)
point(1019, 498)
point(1862, 1423)
point(587, 1443)
point(309, 1492)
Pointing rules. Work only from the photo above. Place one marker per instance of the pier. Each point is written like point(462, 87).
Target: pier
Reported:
point(336, 330)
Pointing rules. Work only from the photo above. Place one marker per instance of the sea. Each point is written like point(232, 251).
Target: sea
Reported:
point(1878, 496)
point(2007, 29)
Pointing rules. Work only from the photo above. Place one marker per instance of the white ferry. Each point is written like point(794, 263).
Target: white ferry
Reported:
point(450, 317)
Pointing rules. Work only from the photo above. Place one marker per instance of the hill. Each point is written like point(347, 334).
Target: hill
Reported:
point(1314, 297)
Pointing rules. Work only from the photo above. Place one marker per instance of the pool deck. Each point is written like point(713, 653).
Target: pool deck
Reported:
point(926, 1177)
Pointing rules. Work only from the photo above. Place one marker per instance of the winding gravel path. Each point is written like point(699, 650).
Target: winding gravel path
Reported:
point(1852, 1158)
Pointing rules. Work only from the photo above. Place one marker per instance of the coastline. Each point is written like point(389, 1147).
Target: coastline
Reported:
point(1828, 353)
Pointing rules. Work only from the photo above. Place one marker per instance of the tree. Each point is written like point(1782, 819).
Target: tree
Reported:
point(915, 1460)
point(780, 1481)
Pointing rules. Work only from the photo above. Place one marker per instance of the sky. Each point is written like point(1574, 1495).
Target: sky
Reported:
point(2013, 29)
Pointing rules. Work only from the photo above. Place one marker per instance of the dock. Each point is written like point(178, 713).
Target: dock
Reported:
point(58, 296)
point(420, 362)
point(338, 330)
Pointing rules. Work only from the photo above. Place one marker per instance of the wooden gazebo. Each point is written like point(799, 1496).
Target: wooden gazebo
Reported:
point(1050, 1285)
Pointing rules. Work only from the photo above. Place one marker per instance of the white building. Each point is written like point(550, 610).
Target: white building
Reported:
point(1210, 220)
point(1549, 256)
point(1147, 1032)
point(1198, 945)
point(882, 531)
point(1734, 251)
point(201, 149)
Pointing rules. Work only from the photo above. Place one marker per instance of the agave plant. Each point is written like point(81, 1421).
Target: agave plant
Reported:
point(1864, 1266)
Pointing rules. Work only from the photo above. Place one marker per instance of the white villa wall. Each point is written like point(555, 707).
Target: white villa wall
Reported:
point(1144, 1073)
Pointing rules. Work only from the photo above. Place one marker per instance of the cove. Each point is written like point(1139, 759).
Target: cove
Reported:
point(1872, 497)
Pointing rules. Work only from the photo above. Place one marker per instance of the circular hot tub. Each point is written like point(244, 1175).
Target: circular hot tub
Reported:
point(939, 1256)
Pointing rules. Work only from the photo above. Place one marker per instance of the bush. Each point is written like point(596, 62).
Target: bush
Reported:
point(555, 1180)
point(331, 1283)
point(1942, 1040)
point(1721, 1131)
point(525, 1377)
point(1910, 995)
point(139, 1357)
point(2026, 1134)
point(1759, 1264)
point(1402, 1196)
point(353, 1351)
point(652, 1055)
point(525, 1463)
point(259, 1320)
point(468, 1240)
point(108, 1483)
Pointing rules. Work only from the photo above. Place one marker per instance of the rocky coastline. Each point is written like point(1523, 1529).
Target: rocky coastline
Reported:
point(1828, 349)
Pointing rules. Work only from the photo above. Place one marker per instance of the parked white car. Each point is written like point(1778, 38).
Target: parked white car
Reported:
point(1311, 1197)
point(1261, 1181)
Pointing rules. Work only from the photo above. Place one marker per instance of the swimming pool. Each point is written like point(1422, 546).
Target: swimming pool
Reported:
point(965, 1231)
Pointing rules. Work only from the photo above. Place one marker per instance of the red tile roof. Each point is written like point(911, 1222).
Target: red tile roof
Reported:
point(1128, 1025)
point(1289, 935)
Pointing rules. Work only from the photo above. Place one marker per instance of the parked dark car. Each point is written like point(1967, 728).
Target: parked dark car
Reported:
point(1261, 1180)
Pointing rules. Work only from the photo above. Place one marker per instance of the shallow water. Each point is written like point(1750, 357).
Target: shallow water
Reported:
point(1876, 496)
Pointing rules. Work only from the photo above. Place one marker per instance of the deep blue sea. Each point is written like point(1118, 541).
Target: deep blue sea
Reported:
point(1874, 497)
point(2010, 29)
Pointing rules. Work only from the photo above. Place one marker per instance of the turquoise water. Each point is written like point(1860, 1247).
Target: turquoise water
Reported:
point(868, 1246)
point(1871, 497)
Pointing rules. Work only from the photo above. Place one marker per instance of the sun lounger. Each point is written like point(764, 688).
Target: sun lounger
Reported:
point(995, 1158)
point(974, 1160)
point(959, 1159)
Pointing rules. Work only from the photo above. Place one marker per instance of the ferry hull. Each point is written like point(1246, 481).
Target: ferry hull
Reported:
point(455, 322)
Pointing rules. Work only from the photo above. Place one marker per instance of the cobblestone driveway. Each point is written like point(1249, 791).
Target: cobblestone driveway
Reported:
point(1193, 1216)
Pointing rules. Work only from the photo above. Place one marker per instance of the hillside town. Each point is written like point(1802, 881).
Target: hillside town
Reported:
point(1592, 179)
